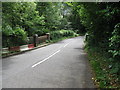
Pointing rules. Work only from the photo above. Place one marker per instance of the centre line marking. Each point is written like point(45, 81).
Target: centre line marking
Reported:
point(65, 45)
point(45, 59)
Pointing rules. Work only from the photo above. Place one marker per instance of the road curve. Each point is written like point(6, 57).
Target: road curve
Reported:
point(60, 65)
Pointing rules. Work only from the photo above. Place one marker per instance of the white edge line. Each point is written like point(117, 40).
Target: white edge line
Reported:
point(45, 59)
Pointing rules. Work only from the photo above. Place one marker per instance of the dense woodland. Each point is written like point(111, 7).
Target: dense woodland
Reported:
point(101, 22)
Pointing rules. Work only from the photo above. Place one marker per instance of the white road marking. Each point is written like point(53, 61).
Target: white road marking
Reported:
point(65, 45)
point(45, 59)
point(49, 56)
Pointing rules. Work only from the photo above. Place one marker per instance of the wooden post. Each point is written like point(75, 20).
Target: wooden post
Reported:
point(35, 37)
point(48, 36)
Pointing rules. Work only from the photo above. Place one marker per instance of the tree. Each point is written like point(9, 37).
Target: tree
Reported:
point(75, 18)
point(52, 13)
point(19, 20)
point(22, 14)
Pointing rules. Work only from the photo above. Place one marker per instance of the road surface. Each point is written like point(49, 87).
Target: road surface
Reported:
point(60, 65)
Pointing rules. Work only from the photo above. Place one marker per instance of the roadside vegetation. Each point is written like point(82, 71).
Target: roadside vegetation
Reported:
point(62, 33)
point(101, 22)
point(24, 19)
point(102, 40)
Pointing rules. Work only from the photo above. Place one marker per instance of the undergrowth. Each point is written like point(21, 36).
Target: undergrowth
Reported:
point(103, 68)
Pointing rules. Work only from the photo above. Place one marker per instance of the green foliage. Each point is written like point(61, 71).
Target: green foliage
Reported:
point(42, 31)
point(19, 20)
point(22, 14)
point(20, 34)
point(103, 28)
point(96, 17)
point(33, 17)
point(115, 43)
point(61, 33)
point(75, 19)
point(7, 31)
point(52, 13)
point(100, 20)
point(13, 37)
point(105, 70)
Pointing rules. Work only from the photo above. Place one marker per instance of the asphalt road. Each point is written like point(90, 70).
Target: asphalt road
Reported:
point(60, 65)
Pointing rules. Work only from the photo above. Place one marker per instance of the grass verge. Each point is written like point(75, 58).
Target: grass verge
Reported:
point(104, 73)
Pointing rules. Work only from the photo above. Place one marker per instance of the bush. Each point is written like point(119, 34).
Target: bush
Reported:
point(115, 43)
point(41, 32)
point(105, 70)
point(115, 51)
point(20, 36)
point(61, 33)
point(13, 37)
